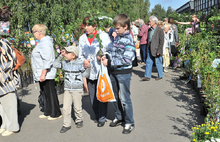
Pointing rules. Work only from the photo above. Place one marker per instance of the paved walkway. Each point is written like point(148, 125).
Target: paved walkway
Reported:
point(164, 111)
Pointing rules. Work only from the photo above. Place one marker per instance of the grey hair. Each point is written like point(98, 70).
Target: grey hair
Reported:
point(153, 18)
point(141, 21)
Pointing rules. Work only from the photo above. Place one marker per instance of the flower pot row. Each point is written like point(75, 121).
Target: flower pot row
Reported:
point(201, 95)
point(26, 78)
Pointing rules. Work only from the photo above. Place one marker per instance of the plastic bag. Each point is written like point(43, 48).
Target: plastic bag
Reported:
point(104, 87)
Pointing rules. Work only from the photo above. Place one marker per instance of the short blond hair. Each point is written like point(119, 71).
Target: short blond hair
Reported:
point(160, 23)
point(194, 16)
point(167, 25)
point(165, 19)
point(40, 27)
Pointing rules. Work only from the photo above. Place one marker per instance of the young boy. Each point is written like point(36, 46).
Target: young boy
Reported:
point(112, 33)
point(119, 59)
point(73, 85)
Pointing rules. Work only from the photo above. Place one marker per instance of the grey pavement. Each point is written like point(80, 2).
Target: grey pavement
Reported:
point(164, 111)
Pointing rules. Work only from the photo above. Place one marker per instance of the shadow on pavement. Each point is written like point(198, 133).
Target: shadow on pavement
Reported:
point(191, 105)
point(86, 105)
point(25, 109)
point(24, 92)
point(141, 73)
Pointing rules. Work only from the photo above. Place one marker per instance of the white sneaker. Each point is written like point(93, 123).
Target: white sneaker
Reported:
point(7, 133)
point(165, 70)
point(43, 116)
point(2, 131)
point(54, 118)
point(128, 128)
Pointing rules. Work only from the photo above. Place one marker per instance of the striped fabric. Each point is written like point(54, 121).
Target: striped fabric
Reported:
point(123, 52)
point(8, 76)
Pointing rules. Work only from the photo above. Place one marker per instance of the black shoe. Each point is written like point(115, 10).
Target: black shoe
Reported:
point(158, 78)
point(115, 122)
point(145, 79)
point(100, 124)
point(79, 124)
point(64, 129)
point(128, 128)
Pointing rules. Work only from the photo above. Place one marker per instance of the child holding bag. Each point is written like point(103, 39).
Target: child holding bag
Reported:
point(119, 58)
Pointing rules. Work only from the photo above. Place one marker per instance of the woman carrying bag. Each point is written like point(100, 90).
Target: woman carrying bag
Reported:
point(8, 97)
point(88, 49)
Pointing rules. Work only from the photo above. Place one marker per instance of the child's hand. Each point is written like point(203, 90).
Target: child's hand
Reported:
point(98, 58)
point(104, 61)
point(86, 63)
point(114, 34)
point(63, 52)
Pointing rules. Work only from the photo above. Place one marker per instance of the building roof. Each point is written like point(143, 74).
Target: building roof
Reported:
point(187, 7)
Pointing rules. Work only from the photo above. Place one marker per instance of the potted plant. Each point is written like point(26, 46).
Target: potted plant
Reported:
point(59, 81)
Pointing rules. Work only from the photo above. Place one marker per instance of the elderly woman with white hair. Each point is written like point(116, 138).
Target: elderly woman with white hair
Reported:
point(42, 59)
point(155, 43)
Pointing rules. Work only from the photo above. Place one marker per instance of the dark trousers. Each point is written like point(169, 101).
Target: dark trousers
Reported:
point(51, 102)
point(173, 50)
point(99, 108)
point(143, 52)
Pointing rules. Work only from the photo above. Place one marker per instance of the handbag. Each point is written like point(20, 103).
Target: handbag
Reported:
point(104, 87)
point(138, 44)
point(41, 100)
point(20, 58)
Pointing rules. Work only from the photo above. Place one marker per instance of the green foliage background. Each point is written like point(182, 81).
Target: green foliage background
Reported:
point(68, 13)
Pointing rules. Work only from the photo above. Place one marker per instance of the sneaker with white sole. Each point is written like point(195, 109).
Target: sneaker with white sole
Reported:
point(128, 128)
point(54, 118)
point(43, 116)
point(165, 71)
point(2, 131)
point(115, 122)
point(7, 133)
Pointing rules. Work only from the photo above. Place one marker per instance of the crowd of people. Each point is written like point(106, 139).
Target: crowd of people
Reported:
point(82, 66)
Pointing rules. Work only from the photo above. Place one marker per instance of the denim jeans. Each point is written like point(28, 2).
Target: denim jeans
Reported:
point(149, 64)
point(121, 82)
point(143, 53)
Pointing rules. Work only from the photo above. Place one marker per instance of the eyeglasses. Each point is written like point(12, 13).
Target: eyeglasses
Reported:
point(35, 31)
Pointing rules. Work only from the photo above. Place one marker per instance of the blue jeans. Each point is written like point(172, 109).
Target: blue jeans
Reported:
point(143, 53)
point(149, 64)
point(121, 82)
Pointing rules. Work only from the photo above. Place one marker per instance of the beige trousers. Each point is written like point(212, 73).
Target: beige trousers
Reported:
point(8, 112)
point(70, 97)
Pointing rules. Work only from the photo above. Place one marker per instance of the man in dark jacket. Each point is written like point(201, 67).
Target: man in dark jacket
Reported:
point(155, 43)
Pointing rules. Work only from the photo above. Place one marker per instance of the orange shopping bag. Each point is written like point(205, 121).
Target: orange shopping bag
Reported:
point(104, 87)
point(138, 44)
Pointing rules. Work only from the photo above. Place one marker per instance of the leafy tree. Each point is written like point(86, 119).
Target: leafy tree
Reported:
point(169, 11)
point(159, 12)
point(142, 9)
point(66, 13)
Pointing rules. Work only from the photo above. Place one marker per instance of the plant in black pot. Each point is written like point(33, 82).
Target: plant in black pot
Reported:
point(59, 81)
